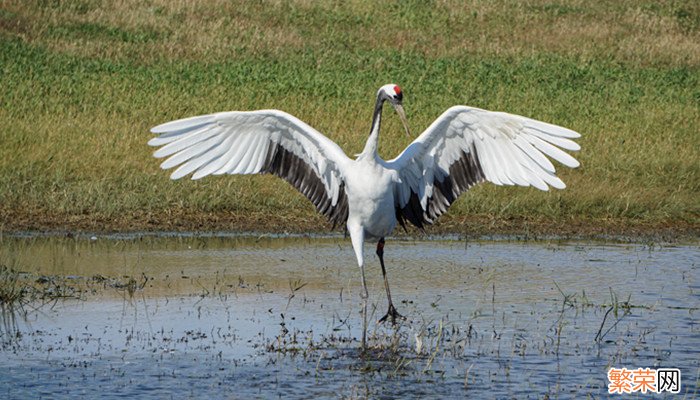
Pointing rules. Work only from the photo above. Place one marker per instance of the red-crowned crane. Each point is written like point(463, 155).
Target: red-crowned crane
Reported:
point(461, 148)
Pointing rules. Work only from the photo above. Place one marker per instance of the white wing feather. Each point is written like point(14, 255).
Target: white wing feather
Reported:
point(507, 149)
point(239, 142)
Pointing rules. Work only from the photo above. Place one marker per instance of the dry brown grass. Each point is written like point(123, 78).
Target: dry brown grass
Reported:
point(664, 33)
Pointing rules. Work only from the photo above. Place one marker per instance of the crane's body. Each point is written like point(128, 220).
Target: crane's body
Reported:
point(371, 206)
point(463, 147)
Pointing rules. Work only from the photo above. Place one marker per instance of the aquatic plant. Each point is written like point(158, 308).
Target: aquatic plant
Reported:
point(14, 295)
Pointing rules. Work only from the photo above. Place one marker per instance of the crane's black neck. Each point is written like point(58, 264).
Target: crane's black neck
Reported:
point(370, 151)
point(377, 116)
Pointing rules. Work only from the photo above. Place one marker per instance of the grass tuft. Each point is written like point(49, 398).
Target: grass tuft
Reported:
point(12, 292)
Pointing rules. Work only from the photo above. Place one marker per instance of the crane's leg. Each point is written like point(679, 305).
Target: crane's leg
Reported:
point(392, 313)
point(357, 236)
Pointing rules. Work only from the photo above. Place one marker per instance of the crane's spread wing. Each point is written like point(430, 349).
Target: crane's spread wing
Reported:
point(465, 146)
point(264, 141)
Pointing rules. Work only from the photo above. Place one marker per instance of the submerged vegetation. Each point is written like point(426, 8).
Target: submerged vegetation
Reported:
point(13, 297)
point(83, 81)
point(21, 293)
point(28, 285)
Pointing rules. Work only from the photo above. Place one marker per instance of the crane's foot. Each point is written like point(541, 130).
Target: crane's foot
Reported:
point(393, 315)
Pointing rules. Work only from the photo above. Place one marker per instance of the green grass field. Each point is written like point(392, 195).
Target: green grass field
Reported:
point(83, 81)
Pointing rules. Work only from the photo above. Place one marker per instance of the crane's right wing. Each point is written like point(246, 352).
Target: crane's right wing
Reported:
point(264, 141)
point(468, 145)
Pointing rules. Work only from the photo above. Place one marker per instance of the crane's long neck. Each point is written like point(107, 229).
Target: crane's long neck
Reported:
point(370, 150)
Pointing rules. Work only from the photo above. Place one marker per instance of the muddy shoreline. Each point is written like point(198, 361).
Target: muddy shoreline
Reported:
point(472, 227)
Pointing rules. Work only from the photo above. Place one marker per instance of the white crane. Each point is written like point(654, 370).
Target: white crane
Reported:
point(461, 148)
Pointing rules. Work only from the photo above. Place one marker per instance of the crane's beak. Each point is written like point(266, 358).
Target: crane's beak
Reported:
point(402, 115)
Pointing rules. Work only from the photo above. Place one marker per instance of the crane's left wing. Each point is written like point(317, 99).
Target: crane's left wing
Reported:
point(466, 146)
point(263, 141)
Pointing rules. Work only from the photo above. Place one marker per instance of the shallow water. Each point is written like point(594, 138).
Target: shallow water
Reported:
point(281, 317)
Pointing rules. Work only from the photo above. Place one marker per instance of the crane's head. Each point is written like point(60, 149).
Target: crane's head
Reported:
point(393, 94)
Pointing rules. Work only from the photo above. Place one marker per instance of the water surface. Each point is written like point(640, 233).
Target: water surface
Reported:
point(223, 317)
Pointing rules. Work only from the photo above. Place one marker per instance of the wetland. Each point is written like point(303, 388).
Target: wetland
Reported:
point(222, 316)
